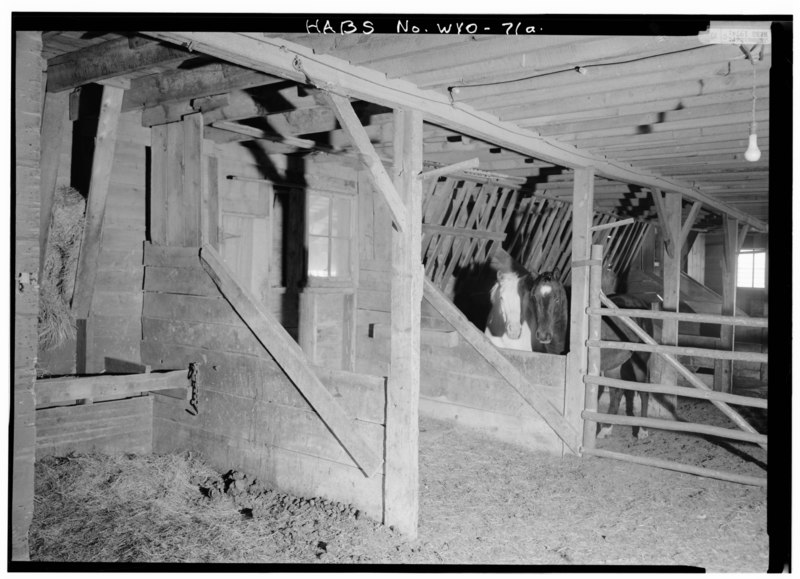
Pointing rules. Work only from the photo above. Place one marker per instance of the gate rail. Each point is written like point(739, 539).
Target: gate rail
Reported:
point(593, 380)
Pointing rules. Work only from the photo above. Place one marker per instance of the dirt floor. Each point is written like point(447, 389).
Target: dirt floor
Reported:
point(482, 502)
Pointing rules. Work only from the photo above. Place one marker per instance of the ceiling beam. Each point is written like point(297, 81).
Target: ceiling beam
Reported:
point(109, 59)
point(185, 84)
point(295, 62)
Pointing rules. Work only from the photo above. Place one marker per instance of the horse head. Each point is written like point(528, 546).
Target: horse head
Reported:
point(510, 294)
point(550, 307)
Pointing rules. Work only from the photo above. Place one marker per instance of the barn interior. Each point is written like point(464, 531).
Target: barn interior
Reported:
point(281, 251)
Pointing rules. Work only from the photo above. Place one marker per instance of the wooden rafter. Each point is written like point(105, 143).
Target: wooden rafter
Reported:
point(666, 231)
point(298, 63)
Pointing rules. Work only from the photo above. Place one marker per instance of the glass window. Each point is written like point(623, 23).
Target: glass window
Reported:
point(330, 235)
point(751, 269)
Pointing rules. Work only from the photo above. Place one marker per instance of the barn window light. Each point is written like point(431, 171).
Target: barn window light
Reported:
point(753, 153)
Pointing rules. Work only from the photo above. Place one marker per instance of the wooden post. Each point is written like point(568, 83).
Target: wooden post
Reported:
point(723, 369)
point(582, 214)
point(593, 368)
point(671, 267)
point(105, 143)
point(53, 123)
point(401, 494)
point(192, 179)
point(158, 185)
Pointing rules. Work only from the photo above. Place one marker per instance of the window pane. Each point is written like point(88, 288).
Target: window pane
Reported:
point(318, 256)
point(340, 219)
point(744, 266)
point(318, 214)
point(759, 269)
point(340, 258)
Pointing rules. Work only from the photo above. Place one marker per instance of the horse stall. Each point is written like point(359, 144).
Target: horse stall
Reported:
point(303, 260)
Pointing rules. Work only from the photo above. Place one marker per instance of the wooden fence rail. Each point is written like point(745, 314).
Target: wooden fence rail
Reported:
point(682, 370)
point(682, 317)
point(679, 467)
point(677, 390)
point(661, 424)
point(681, 351)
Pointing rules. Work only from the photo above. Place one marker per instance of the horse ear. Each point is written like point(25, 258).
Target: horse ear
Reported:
point(557, 274)
point(501, 261)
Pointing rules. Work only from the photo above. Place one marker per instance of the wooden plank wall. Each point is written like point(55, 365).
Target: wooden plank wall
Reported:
point(112, 427)
point(28, 92)
point(456, 383)
point(250, 416)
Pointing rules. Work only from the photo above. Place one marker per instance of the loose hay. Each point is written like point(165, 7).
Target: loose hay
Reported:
point(481, 502)
point(56, 323)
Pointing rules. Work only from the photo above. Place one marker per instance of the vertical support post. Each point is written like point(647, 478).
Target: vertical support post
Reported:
point(671, 266)
point(582, 213)
point(349, 332)
point(401, 487)
point(56, 105)
point(105, 143)
point(595, 321)
point(723, 369)
point(191, 210)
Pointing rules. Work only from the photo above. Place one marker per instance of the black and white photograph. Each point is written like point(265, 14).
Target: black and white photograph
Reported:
point(400, 292)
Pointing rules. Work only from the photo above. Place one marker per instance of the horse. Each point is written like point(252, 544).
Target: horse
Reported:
point(549, 306)
point(508, 322)
point(630, 366)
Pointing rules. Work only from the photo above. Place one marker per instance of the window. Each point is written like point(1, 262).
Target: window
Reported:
point(330, 235)
point(751, 269)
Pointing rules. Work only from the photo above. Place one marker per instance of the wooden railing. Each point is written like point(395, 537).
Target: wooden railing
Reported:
point(669, 354)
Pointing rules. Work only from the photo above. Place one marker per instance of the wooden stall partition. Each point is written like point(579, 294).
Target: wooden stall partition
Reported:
point(249, 415)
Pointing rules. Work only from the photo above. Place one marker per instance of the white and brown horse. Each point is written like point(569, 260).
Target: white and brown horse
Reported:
point(508, 323)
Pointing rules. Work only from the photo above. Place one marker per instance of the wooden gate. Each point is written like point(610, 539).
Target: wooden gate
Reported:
point(669, 354)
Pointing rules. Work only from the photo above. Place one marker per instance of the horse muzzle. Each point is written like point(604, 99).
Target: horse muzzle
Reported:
point(544, 338)
point(514, 331)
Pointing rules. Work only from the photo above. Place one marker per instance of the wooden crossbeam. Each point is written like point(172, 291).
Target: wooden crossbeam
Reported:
point(294, 62)
point(101, 62)
point(454, 168)
point(282, 347)
point(58, 390)
point(104, 146)
point(506, 369)
point(380, 178)
point(688, 224)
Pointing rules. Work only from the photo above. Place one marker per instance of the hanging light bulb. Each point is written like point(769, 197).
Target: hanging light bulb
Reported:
point(753, 153)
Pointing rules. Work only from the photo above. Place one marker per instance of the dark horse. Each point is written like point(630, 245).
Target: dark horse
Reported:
point(549, 319)
point(549, 323)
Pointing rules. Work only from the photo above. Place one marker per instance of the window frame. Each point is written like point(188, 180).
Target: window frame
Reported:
point(751, 253)
point(351, 238)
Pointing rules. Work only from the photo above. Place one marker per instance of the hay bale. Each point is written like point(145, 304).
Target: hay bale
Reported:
point(56, 323)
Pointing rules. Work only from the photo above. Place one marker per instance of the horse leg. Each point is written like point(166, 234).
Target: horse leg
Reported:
point(645, 396)
point(614, 395)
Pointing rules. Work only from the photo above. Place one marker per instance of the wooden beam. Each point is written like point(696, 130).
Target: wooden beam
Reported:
point(295, 62)
point(688, 224)
point(611, 225)
point(54, 121)
point(455, 167)
point(107, 60)
point(723, 369)
point(563, 429)
point(183, 85)
point(666, 230)
point(282, 347)
point(58, 390)
point(401, 494)
point(380, 178)
point(577, 358)
point(102, 162)
point(193, 178)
